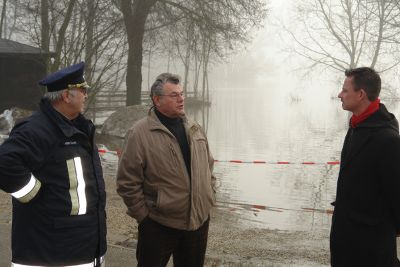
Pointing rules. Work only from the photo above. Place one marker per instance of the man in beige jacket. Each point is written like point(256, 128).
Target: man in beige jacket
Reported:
point(165, 179)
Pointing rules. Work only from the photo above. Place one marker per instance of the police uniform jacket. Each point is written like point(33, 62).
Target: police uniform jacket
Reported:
point(366, 217)
point(52, 169)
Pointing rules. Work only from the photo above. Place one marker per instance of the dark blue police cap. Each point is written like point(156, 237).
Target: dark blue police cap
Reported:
point(70, 77)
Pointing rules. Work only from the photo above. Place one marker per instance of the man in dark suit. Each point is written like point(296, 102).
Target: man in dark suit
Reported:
point(366, 218)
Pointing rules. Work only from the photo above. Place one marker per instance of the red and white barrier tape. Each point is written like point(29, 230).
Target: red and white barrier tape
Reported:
point(280, 162)
point(254, 207)
point(232, 206)
point(118, 153)
point(103, 151)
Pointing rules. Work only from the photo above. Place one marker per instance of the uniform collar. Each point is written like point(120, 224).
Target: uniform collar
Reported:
point(66, 126)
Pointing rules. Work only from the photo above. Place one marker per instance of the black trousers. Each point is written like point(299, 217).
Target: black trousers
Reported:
point(156, 244)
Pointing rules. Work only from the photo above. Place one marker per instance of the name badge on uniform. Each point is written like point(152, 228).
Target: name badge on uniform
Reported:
point(70, 143)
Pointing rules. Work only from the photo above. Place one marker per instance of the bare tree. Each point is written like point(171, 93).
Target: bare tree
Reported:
point(345, 33)
point(8, 18)
point(60, 36)
point(74, 34)
point(45, 32)
point(73, 31)
point(135, 15)
point(220, 18)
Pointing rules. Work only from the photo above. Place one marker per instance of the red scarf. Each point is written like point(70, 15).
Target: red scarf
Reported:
point(372, 108)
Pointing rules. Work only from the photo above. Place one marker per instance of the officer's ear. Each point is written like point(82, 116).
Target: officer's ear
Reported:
point(65, 96)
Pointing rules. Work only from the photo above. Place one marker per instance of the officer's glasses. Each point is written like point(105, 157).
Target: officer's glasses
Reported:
point(82, 87)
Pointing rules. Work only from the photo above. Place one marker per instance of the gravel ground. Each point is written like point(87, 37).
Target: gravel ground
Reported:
point(230, 243)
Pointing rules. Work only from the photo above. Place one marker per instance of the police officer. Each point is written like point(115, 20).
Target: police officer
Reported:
point(51, 167)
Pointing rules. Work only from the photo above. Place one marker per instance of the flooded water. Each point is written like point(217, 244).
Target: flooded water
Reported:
point(275, 156)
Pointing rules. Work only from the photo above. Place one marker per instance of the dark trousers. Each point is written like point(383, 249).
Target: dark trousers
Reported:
point(156, 244)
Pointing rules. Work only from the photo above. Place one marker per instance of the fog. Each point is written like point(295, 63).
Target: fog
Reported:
point(268, 64)
point(268, 106)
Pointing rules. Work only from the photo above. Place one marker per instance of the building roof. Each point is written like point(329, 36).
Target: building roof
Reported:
point(11, 47)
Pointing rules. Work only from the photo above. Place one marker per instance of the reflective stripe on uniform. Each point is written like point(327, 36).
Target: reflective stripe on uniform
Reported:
point(29, 191)
point(76, 186)
point(91, 264)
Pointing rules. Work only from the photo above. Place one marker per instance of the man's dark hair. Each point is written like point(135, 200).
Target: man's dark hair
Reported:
point(367, 79)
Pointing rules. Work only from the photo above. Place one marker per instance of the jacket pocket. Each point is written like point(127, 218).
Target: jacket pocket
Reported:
point(172, 203)
point(84, 221)
point(151, 200)
point(201, 145)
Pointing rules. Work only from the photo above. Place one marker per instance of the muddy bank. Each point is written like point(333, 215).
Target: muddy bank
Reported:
point(231, 242)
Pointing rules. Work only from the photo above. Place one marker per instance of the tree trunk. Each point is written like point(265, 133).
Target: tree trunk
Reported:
point(61, 35)
point(45, 32)
point(135, 15)
point(382, 14)
point(206, 56)
point(186, 73)
point(3, 18)
point(148, 68)
point(197, 67)
point(91, 14)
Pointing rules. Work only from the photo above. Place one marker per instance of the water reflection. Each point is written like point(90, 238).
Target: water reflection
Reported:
point(249, 125)
point(245, 127)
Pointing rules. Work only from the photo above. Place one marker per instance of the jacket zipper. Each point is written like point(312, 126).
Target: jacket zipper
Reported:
point(185, 173)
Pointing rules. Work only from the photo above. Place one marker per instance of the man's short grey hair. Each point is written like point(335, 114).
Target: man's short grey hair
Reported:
point(163, 78)
point(53, 96)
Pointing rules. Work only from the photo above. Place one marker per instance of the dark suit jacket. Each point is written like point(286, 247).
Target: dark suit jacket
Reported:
point(366, 217)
